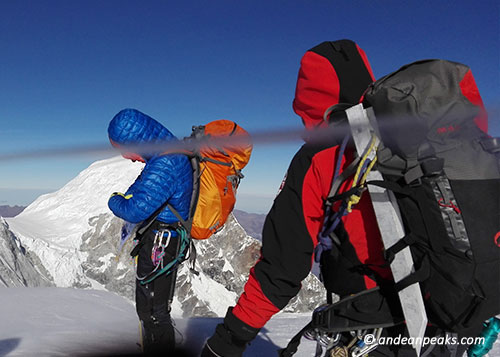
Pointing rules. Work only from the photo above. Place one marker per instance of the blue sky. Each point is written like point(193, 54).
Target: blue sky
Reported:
point(66, 67)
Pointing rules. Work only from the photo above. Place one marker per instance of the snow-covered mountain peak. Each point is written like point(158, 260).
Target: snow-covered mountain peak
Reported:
point(59, 218)
point(53, 225)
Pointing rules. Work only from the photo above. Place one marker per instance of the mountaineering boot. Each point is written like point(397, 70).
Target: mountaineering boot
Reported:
point(158, 338)
point(230, 339)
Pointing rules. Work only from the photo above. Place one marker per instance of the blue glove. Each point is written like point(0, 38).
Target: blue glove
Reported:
point(128, 230)
point(230, 339)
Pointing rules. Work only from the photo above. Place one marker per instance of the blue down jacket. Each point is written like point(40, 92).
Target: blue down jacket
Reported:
point(164, 178)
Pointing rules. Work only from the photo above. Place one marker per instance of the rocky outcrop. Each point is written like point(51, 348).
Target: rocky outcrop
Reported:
point(222, 267)
point(18, 267)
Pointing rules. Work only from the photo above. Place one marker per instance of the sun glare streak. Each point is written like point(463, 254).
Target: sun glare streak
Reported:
point(332, 133)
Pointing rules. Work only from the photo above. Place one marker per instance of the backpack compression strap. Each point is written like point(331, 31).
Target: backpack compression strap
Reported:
point(370, 309)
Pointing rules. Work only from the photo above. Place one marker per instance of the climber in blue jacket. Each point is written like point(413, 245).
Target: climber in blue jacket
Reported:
point(165, 178)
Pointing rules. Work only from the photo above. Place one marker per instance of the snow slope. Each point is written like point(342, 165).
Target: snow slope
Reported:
point(73, 322)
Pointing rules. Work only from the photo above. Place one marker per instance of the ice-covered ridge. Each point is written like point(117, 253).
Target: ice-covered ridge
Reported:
point(52, 226)
point(59, 218)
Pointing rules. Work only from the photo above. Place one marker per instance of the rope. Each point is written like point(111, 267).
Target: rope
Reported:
point(490, 334)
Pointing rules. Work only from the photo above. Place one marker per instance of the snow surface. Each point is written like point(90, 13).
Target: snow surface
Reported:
point(219, 297)
point(75, 322)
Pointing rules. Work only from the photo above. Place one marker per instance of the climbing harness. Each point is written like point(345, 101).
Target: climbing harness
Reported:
point(158, 253)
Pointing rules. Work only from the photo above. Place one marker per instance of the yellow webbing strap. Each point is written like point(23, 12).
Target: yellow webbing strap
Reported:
point(127, 197)
point(354, 199)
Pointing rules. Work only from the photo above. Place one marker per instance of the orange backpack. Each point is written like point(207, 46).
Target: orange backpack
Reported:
point(222, 149)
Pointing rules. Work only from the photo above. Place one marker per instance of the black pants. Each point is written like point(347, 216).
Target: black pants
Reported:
point(153, 299)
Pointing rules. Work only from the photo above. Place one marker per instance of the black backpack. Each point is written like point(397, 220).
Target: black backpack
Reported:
point(445, 172)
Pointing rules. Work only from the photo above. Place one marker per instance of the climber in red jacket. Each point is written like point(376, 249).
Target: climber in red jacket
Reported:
point(330, 73)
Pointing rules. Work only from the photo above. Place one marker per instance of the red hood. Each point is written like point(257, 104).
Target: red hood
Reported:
point(327, 78)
